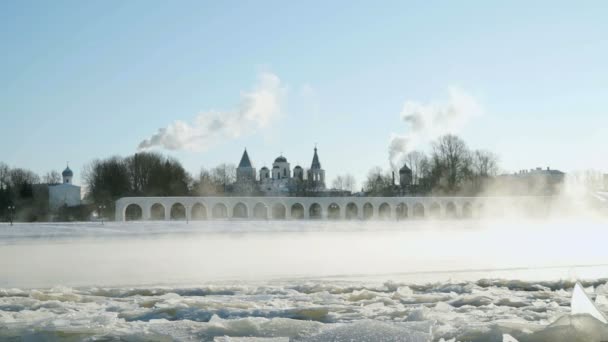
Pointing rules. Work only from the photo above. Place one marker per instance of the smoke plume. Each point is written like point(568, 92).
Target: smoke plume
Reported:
point(257, 109)
point(429, 121)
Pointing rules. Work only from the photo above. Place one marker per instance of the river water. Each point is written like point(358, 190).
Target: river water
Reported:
point(302, 281)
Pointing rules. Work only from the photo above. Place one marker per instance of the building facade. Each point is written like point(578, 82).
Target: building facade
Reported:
point(64, 194)
point(281, 178)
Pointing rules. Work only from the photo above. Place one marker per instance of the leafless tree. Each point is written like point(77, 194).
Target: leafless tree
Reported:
point(485, 163)
point(451, 162)
point(414, 160)
point(224, 175)
point(52, 177)
point(345, 182)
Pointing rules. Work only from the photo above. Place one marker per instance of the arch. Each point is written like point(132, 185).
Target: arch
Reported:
point(178, 211)
point(260, 211)
point(279, 211)
point(198, 212)
point(297, 211)
point(240, 211)
point(480, 210)
point(401, 211)
point(220, 211)
point(133, 212)
point(418, 210)
point(384, 211)
point(157, 211)
point(450, 210)
point(333, 211)
point(368, 211)
point(352, 211)
point(467, 210)
point(435, 210)
point(315, 211)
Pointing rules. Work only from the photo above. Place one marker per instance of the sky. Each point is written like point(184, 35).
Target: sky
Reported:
point(201, 81)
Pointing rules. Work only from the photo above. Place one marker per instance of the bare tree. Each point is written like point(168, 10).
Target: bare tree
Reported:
point(485, 163)
point(338, 183)
point(451, 162)
point(413, 160)
point(4, 175)
point(350, 183)
point(224, 175)
point(52, 177)
point(378, 182)
point(204, 184)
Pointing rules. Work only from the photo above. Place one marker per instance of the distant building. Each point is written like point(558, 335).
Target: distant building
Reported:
point(64, 194)
point(281, 179)
point(539, 182)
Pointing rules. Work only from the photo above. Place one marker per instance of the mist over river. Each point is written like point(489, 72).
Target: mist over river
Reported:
point(301, 281)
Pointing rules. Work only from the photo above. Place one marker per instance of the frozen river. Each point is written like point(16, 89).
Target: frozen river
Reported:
point(308, 281)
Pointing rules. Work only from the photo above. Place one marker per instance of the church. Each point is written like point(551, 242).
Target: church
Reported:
point(281, 179)
point(64, 194)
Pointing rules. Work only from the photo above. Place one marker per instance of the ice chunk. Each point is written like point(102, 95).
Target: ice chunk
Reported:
point(508, 338)
point(582, 304)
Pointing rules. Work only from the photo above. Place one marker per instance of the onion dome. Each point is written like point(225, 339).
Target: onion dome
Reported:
point(405, 169)
point(280, 159)
point(298, 167)
point(67, 172)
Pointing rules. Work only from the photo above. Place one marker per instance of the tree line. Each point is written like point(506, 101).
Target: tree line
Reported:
point(451, 168)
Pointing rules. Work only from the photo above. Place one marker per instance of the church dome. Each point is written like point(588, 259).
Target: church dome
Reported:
point(280, 159)
point(264, 168)
point(298, 167)
point(67, 172)
point(405, 169)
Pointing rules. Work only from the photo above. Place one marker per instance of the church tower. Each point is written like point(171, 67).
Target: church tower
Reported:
point(245, 172)
point(316, 174)
point(67, 175)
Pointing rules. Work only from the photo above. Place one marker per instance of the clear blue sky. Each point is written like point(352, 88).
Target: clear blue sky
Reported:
point(89, 79)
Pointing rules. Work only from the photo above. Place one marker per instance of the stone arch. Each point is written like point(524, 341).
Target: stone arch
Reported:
point(384, 211)
point(418, 210)
point(333, 211)
point(198, 212)
point(220, 211)
point(368, 211)
point(178, 211)
point(480, 210)
point(435, 210)
point(133, 212)
point(240, 210)
point(315, 211)
point(467, 210)
point(260, 211)
point(352, 211)
point(279, 211)
point(401, 211)
point(297, 211)
point(157, 211)
point(450, 210)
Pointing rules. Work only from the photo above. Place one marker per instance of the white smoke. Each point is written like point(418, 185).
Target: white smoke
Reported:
point(429, 121)
point(257, 109)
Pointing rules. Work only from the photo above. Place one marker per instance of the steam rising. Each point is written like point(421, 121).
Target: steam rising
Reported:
point(429, 121)
point(257, 109)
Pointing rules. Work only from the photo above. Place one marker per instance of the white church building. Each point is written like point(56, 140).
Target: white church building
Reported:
point(64, 194)
point(281, 178)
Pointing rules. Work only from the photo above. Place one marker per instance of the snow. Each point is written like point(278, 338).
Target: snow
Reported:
point(286, 281)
